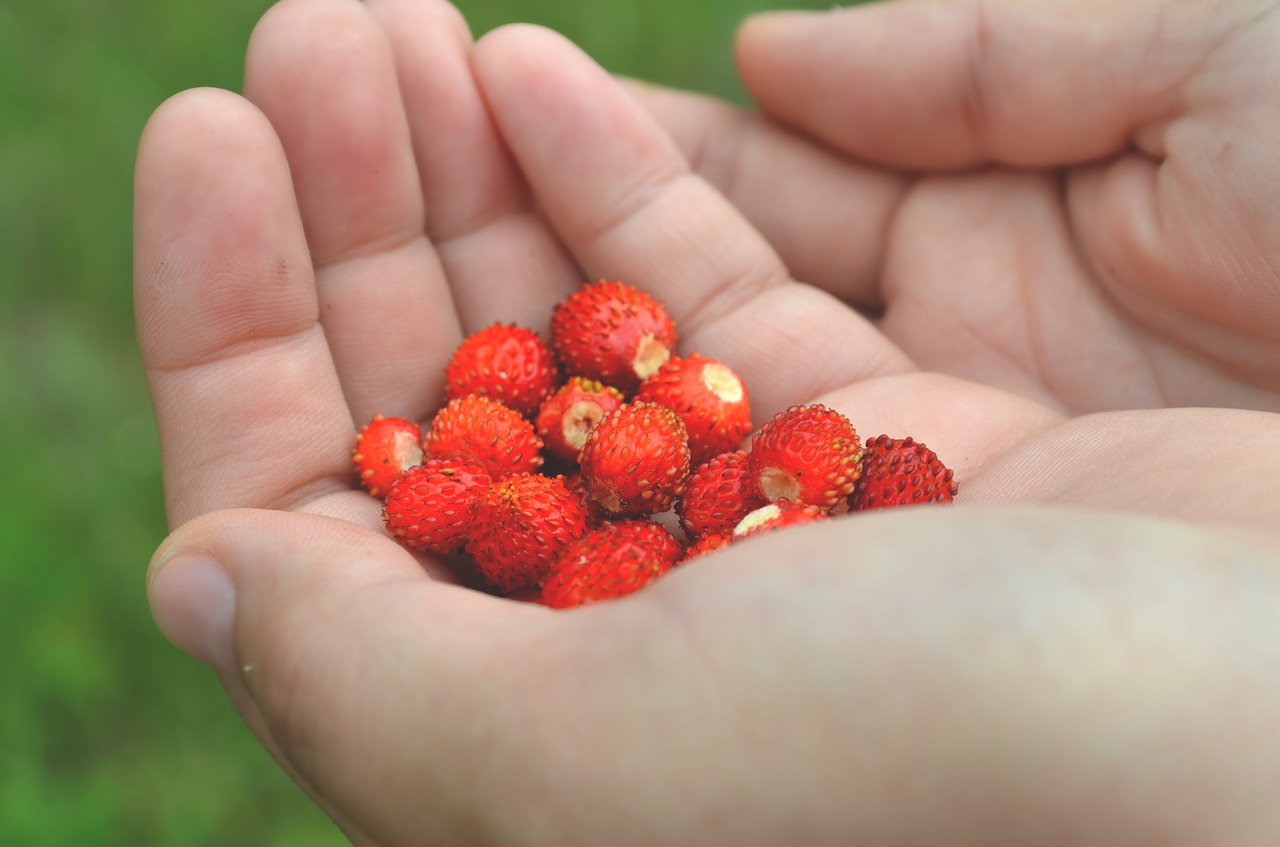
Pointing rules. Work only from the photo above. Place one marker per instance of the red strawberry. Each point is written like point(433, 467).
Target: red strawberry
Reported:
point(710, 399)
point(612, 332)
point(615, 560)
point(518, 527)
point(899, 472)
point(569, 414)
point(386, 448)
point(810, 454)
point(706, 544)
point(429, 506)
point(717, 496)
point(776, 515)
point(636, 460)
point(508, 363)
point(497, 436)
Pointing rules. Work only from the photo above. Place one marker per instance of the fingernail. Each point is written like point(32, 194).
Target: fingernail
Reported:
point(194, 604)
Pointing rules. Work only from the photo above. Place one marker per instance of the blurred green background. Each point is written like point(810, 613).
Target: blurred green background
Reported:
point(107, 734)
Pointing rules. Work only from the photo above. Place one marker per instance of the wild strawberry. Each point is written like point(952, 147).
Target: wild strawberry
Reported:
point(615, 560)
point(518, 527)
point(810, 454)
point(717, 496)
point(497, 436)
point(571, 412)
point(776, 515)
point(710, 399)
point(505, 362)
point(636, 460)
point(385, 448)
point(429, 506)
point(612, 332)
point(706, 544)
point(899, 472)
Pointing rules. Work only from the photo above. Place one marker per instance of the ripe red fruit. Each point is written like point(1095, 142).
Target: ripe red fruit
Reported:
point(718, 495)
point(497, 436)
point(776, 515)
point(708, 396)
point(612, 332)
point(615, 560)
point(519, 525)
point(810, 454)
point(385, 448)
point(505, 362)
point(571, 412)
point(429, 506)
point(635, 461)
point(899, 472)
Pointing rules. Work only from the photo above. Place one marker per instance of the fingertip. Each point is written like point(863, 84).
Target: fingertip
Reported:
point(193, 604)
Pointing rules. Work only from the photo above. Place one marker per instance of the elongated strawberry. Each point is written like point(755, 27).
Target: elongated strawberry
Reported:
point(900, 472)
point(571, 412)
point(429, 506)
point(636, 460)
point(617, 559)
point(718, 495)
point(612, 332)
point(810, 454)
point(385, 448)
point(497, 436)
point(519, 525)
point(506, 362)
point(777, 515)
point(708, 396)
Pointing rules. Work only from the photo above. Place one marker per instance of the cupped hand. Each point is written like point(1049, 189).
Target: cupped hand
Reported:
point(311, 253)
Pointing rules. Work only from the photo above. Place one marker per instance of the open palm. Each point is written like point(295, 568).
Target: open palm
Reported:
point(312, 253)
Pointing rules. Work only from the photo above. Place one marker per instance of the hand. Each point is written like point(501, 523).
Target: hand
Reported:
point(312, 254)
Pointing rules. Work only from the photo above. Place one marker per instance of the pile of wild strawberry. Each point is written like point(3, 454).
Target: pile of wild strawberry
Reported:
point(551, 464)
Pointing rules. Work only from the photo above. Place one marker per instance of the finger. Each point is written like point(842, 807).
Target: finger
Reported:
point(504, 263)
point(323, 73)
point(387, 692)
point(246, 398)
point(826, 216)
point(646, 219)
point(954, 84)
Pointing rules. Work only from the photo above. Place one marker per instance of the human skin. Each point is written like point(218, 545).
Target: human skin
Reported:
point(1037, 272)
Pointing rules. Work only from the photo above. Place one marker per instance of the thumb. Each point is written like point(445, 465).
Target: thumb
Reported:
point(938, 84)
point(370, 682)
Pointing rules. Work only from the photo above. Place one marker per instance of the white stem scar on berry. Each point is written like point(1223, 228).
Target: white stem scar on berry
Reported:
point(722, 382)
point(579, 420)
point(777, 484)
point(651, 353)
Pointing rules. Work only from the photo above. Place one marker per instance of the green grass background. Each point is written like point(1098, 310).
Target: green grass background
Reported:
point(107, 734)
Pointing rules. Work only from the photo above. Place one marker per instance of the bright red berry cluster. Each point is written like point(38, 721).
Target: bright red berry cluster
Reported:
point(551, 462)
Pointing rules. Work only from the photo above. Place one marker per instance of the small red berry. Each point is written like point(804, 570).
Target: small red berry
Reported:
point(900, 472)
point(612, 332)
point(505, 362)
point(429, 506)
point(497, 436)
point(635, 461)
point(776, 515)
point(810, 454)
point(385, 448)
point(571, 412)
point(617, 559)
point(718, 495)
point(708, 396)
point(519, 525)
point(706, 544)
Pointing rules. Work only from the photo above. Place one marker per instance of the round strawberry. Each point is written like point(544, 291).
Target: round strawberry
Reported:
point(505, 362)
point(497, 436)
point(612, 332)
point(635, 461)
point(710, 399)
point(385, 448)
point(571, 412)
point(615, 560)
point(899, 472)
point(518, 527)
point(810, 454)
point(777, 515)
point(429, 506)
point(718, 495)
